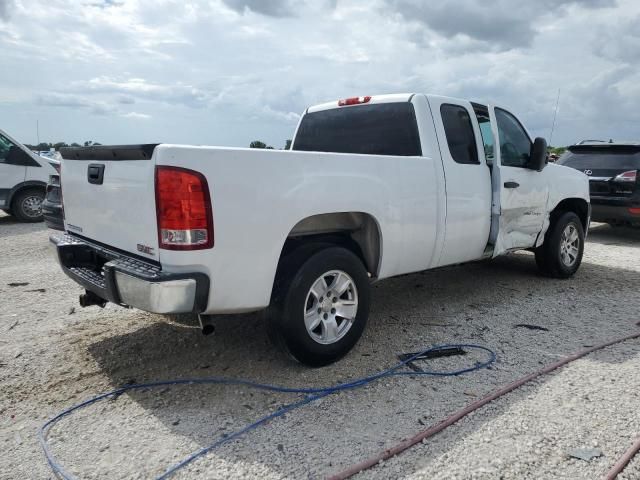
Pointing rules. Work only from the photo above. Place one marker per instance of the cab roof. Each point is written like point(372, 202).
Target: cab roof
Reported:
point(368, 100)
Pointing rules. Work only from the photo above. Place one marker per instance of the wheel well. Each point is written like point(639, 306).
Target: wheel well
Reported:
point(25, 186)
point(578, 206)
point(356, 231)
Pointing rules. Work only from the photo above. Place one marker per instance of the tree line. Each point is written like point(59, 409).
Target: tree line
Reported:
point(45, 147)
point(261, 144)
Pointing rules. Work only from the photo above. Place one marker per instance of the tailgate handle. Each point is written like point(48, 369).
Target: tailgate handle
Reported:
point(95, 173)
point(511, 184)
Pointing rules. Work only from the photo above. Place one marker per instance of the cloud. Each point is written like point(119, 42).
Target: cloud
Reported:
point(53, 99)
point(621, 42)
point(225, 72)
point(271, 8)
point(6, 6)
point(136, 115)
point(107, 4)
point(500, 24)
point(139, 88)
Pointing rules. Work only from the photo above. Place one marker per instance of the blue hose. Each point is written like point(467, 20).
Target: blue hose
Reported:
point(312, 394)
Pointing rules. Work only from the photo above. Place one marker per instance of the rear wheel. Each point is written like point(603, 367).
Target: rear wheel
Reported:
point(321, 305)
point(27, 205)
point(561, 253)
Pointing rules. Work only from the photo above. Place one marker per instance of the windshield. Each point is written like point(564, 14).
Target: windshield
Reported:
point(378, 129)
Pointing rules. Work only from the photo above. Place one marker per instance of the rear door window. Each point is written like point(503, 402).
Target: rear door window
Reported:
point(376, 129)
point(459, 132)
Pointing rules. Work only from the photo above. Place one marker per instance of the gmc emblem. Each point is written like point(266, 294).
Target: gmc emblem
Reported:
point(145, 249)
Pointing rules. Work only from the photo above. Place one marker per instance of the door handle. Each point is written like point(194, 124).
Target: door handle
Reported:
point(511, 184)
point(95, 173)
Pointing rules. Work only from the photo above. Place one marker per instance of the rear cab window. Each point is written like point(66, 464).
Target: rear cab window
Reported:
point(373, 129)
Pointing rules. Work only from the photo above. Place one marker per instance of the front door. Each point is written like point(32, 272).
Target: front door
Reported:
point(11, 174)
point(523, 192)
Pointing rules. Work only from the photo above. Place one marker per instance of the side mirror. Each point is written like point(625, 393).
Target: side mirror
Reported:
point(538, 155)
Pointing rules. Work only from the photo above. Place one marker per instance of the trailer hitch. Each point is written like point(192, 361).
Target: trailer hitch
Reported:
point(89, 298)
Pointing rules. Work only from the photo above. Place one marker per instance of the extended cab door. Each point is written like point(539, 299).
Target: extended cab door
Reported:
point(467, 181)
point(520, 193)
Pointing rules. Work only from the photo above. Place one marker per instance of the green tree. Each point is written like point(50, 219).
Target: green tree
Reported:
point(260, 144)
point(287, 145)
point(557, 150)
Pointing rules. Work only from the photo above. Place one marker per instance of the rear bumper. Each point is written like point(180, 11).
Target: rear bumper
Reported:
point(615, 209)
point(127, 280)
point(52, 213)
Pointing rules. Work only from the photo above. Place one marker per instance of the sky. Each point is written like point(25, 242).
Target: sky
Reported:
point(226, 72)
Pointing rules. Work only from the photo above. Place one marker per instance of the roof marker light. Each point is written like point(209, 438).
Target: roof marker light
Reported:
point(353, 101)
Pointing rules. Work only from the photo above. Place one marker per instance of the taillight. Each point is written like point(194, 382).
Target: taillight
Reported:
point(629, 176)
point(353, 101)
point(183, 207)
point(634, 211)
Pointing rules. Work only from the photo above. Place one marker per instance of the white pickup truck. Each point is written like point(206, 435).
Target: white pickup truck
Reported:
point(373, 187)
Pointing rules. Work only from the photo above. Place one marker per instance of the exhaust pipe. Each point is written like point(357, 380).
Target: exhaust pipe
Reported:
point(206, 325)
point(89, 298)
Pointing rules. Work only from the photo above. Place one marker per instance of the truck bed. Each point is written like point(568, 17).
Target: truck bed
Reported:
point(258, 197)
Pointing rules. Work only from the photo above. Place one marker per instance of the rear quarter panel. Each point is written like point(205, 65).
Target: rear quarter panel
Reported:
point(258, 196)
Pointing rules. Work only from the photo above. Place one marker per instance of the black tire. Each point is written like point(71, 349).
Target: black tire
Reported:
point(285, 317)
point(22, 205)
point(549, 254)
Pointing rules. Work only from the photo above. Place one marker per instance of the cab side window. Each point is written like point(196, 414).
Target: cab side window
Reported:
point(515, 144)
point(11, 154)
point(5, 148)
point(459, 132)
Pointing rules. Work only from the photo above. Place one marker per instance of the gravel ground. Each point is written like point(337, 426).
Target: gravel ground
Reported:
point(54, 354)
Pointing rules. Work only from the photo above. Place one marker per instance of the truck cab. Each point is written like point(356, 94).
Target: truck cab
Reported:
point(494, 177)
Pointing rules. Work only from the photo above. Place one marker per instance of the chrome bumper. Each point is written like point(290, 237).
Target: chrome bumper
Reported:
point(127, 280)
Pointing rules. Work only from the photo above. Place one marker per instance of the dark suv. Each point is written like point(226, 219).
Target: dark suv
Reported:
point(614, 179)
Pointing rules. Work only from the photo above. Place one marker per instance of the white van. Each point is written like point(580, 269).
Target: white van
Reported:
point(23, 180)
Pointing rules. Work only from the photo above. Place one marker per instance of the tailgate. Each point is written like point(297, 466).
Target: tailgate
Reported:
point(109, 196)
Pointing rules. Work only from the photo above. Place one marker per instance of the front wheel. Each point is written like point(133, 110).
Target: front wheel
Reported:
point(27, 205)
point(561, 253)
point(320, 306)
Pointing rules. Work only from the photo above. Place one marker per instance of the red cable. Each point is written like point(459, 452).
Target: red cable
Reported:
point(438, 427)
point(624, 460)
